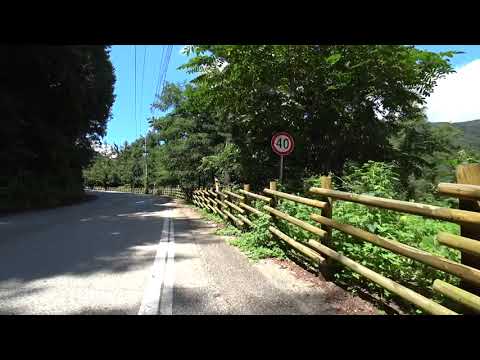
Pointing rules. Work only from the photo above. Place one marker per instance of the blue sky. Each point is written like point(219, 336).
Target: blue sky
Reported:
point(122, 126)
point(471, 52)
point(454, 99)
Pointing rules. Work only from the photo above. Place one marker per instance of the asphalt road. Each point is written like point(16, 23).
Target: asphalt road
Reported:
point(136, 254)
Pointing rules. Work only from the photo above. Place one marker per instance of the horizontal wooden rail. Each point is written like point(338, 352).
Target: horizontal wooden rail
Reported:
point(233, 206)
point(235, 220)
point(424, 303)
point(462, 191)
point(463, 271)
point(298, 199)
point(212, 208)
point(256, 196)
point(459, 295)
point(436, 212)
point(221, 194)
point(459, 242)
point(204, 199)
point(221, 213)
point(212, 193)
point(305, 250)
point(239, 197)
point(203, 204)
point(421, 301)
point(207, 199)
point(211, 201)
point(304, 225)
point(218, 202)
point(251, 209)
point(245, 219)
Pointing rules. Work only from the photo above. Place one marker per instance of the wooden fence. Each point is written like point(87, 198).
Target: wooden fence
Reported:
point(235, 207)
point(175, 192)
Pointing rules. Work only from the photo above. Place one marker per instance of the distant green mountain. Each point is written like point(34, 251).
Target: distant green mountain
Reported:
point(471, 132)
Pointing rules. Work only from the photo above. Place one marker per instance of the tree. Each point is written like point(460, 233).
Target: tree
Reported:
point(419, 149)
point(56, 100)
point(339, 102)
point(188, 133)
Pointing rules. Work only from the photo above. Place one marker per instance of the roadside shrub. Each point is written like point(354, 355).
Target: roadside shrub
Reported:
point(376, 179)
point(380, 179)
point(258, 242)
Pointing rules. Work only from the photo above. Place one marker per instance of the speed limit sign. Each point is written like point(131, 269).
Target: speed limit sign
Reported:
point(282, 143)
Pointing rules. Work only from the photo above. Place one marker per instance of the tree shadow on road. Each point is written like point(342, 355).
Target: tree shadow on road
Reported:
point(101, 236)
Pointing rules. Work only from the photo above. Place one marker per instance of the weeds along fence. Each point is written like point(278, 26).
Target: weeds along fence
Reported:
point(236, 207)
point(175, 192)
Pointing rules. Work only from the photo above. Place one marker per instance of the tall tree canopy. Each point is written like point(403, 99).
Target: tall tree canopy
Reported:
point(339, 102)
point(55, 101)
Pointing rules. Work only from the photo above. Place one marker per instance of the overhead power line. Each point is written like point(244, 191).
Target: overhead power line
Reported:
point(163, 71)
point(159, 73)
point(141, 91)
point(135, 92)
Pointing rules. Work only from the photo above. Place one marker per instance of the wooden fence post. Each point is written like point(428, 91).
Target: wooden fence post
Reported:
point(326, 183)
point(469, 174)
point(274, 203)
point(246, 201)
point(273, 186)
point(327, 270)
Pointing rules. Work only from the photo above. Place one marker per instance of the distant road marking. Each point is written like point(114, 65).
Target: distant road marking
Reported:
point(158, 296)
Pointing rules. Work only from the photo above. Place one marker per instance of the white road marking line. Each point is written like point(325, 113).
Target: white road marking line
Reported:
point(166, 300)
point(151, 297)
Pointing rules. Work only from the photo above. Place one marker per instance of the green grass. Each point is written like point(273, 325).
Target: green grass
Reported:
point(257, 242)
point(229, 230)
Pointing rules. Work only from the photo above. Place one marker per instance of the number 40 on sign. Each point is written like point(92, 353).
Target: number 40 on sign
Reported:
point(282, 145)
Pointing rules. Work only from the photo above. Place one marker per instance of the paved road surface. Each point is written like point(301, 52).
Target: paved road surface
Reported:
point(135, 254)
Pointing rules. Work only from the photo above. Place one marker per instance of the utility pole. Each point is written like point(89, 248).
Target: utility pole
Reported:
point(146, 166)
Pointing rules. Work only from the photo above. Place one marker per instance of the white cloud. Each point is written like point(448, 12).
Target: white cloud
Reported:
point(457, 96)
point(104, 149)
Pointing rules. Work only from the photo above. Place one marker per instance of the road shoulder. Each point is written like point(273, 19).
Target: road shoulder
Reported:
point(271, 286)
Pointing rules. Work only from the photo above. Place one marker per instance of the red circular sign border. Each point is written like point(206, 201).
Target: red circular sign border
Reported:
point(291, 141)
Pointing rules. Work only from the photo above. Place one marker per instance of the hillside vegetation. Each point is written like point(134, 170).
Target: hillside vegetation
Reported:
point(471, 133)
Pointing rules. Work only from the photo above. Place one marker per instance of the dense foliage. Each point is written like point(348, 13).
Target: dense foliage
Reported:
point(55, 102)
point(344, 101)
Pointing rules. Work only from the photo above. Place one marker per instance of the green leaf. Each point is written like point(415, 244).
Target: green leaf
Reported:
point(333, 59)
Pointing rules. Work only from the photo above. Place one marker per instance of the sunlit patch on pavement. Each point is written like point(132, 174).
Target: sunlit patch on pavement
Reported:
point(144, 214)
point(165, 204)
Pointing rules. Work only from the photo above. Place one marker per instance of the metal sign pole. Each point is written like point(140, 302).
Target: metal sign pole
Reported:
point(281, 168)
